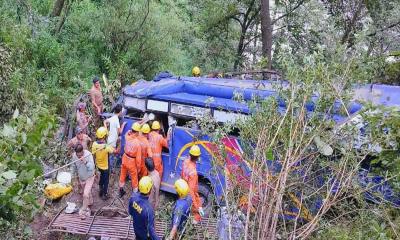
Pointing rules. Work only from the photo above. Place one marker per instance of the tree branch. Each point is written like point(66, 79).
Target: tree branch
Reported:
point(274, 30)
point(237, 19)
point(246, 15)
point(251, 19)
point(349, 28)
point(291, 10)
point(136, 31)
point(57, 8)
point(129, 12)
point(250, 40)
point(384, 29)
point(64, 16)
point(226, 18)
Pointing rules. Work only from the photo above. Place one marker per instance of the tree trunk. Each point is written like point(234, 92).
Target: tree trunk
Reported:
point(266, 32)
point(350, 27)
point(240, 50)
point(58, 6)
point(255, 45)
point(245, 24)
point(64, 16)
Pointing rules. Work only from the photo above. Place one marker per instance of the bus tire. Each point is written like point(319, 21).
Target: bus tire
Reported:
point(206, 198)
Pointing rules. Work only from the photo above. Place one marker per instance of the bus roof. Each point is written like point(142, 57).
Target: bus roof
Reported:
point(220, 93)
point(205, 92)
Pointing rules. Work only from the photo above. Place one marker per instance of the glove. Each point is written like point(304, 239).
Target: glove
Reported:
point(201, 211)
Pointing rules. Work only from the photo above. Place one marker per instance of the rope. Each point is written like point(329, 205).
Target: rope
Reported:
point(68, 164)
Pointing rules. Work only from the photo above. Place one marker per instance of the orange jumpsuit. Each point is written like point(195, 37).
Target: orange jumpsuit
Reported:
point(132, 154)
point(157, 142)
point(189, 174)
point(146, 152)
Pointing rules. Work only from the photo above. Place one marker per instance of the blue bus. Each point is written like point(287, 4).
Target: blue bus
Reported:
point(178, 101)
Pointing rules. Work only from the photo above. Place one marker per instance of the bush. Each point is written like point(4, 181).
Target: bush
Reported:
point(23, 144)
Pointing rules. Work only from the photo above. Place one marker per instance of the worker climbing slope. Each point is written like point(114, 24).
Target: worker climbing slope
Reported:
point(96, 97)
point(142, 212)
point(189, 174)
point(132, 156)
point(146, 149)
point(157, 142)
point(82, 119)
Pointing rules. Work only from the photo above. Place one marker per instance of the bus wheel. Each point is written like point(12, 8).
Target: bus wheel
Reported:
point(206, 198)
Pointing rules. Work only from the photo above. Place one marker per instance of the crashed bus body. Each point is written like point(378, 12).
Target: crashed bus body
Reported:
point(176, 101)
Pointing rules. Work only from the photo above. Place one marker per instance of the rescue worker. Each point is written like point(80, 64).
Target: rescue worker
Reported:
point(115, 130)
point(97, 99)
point(85, 169)
point(157, 142)
point(196, 71)
point(146, 149)
point(132, 156)
point(80, 138)
point(154, 196)
point(182, 208)
point(141, 211)
point(82, 118)
point(101, 151)
point(189, 174)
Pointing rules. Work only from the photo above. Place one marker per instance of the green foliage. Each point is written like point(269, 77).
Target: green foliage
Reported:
point(22, 145)
point(392, 73)
point(8, 97)
point(383, 132)
point(363, 225)
point(43, 7)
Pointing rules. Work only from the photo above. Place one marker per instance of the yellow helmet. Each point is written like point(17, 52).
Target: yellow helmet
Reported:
point(101, 132)
point(196, 71)
point(145, 184)
point(136, 127)
point(145, 128)
point(155, 125)
point(195, 151)
point(181, 187)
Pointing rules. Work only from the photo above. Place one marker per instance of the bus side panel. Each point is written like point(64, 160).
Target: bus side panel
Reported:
point(169, 176)
point(181, 141)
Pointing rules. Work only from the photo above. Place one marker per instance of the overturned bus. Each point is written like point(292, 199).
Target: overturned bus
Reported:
point(177, 101)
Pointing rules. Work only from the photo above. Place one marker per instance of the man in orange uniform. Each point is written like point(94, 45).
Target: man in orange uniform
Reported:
point(189, 174)
point(157, 142)
point(146, 149)
point(132, 155)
